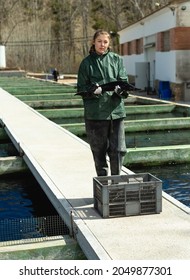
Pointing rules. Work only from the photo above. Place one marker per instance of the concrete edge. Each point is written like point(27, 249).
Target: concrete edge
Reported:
point(27, 244)
point(61, 204)
point(86, 240)
point(175, 202)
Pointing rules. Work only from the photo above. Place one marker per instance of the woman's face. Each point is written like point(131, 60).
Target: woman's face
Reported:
point(101, 43)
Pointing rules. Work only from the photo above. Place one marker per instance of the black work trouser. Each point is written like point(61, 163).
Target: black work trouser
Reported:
point(107, 137)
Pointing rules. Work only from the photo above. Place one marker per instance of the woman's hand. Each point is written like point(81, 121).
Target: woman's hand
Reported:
point(98, 91)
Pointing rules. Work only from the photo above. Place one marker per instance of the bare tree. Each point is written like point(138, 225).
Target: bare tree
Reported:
point(6, 10)
point(85, 7)
point(40, 34)
point(63, 26)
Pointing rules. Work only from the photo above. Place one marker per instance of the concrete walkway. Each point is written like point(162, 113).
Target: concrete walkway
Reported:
point(63, 166)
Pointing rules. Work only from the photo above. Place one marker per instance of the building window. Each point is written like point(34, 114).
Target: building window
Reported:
point(124, 49)
point(166, 41)
point(139, 46)
point(163, 41)
point(133, 47)
point(130, 48)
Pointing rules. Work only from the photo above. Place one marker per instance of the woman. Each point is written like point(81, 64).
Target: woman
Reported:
point(104, 112)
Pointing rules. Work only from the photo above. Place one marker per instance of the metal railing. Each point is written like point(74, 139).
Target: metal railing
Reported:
point(31, 229)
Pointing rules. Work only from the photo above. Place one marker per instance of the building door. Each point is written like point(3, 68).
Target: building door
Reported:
point(150, 57)
point(142, 75)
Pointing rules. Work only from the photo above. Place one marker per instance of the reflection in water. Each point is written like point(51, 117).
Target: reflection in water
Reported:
point(175, 178)
point(23, 206)
point(157, 138)
point(22, 197)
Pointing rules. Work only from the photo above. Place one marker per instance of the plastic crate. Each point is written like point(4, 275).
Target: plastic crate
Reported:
point(127, 195)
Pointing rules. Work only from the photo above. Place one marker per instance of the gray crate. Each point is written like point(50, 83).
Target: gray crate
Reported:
point(127, 195)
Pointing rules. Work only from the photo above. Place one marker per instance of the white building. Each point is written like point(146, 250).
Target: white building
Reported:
point(156, 50)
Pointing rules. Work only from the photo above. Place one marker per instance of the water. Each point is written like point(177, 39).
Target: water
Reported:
point(25, 211)
point(175, 178)
point(152, 116)
point(158, 138)
point(61, 120)
point(22, 197)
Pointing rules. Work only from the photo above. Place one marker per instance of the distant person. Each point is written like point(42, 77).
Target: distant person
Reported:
point(55, 74)
point(104, 111)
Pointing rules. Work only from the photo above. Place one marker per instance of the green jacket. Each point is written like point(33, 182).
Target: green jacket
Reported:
point(102, 69)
